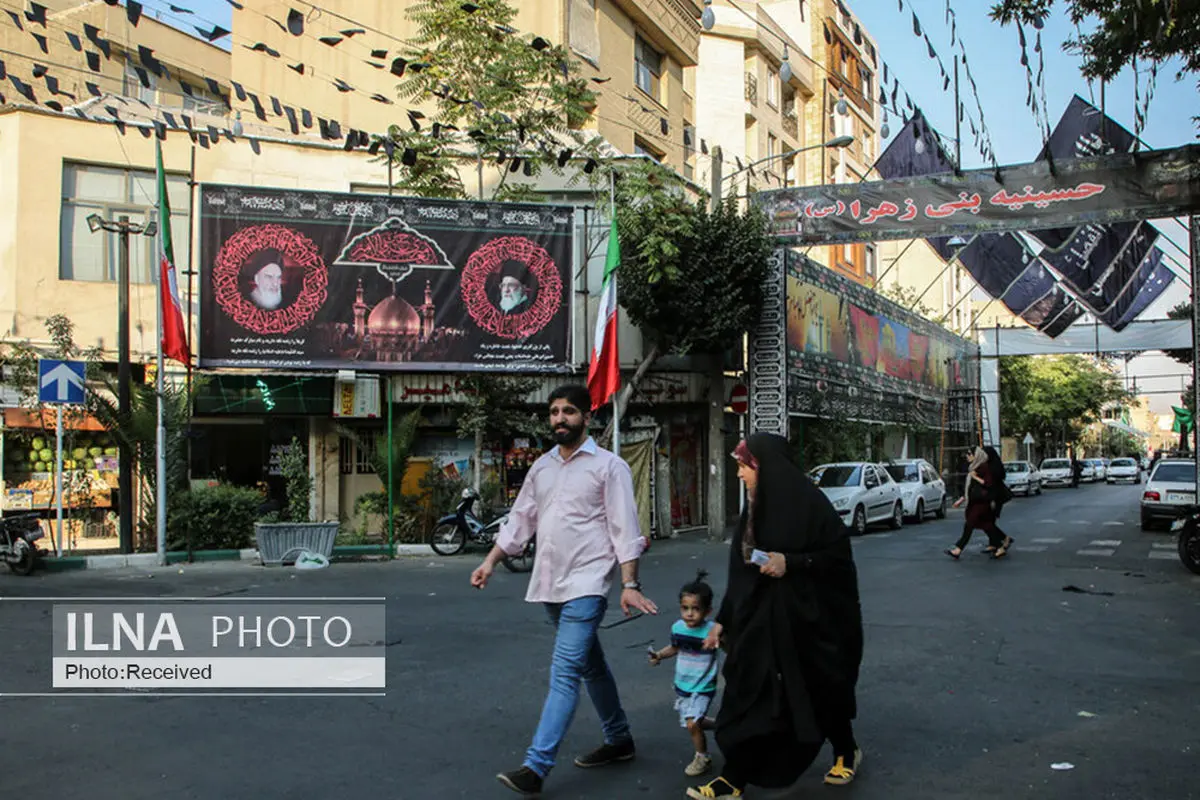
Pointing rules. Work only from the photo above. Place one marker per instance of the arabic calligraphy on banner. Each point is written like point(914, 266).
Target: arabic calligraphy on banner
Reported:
point(1111, 188)
point(845, 339)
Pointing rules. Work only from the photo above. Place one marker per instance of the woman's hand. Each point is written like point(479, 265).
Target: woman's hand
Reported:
point(776, 565)
point(958, 502)
point(713, 640)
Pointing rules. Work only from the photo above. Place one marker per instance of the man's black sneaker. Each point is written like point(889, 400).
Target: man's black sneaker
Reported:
point(607, 754)
point(522, 781)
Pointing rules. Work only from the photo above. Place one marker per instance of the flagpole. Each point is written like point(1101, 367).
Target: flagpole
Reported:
point(161, 433)
point(612, 196)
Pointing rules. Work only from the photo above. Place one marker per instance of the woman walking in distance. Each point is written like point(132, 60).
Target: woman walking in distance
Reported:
point(791, 627)
point(980, 494)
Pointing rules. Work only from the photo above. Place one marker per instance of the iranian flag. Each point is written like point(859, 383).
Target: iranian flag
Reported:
point(174, 333)
point(604, 374)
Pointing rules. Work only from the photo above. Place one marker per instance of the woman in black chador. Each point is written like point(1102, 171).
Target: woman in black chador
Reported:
point(791, 627)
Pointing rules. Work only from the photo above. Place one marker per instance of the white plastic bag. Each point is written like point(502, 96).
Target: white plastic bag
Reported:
point(307, 559)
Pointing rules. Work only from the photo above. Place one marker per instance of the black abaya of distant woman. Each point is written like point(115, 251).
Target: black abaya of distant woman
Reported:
point(793, 644)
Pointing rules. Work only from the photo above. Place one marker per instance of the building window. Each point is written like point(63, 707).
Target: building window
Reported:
point(647, 68)
point(772, 145)
point(111, 193)
point(772, 88)
point(584, 30)
point(132, 86)
point(789, 173)
point(870, 260)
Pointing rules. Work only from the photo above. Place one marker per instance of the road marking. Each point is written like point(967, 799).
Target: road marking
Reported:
point(1033, 548)
point(1163, 555)
point(1058, 540)
point(1114, 523)
point(1047, 521)
point(1105, 543)
point(1161, 546)
point(1094, 552)
point(1080, 522)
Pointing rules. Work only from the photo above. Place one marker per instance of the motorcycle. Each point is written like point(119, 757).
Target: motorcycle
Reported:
point(18, 535)
point(453, 531)
point(1188, 529)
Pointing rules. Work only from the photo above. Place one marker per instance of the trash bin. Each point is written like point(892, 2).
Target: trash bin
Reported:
point(278, 540)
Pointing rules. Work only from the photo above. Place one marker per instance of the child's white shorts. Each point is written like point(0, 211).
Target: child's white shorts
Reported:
point(694, 706)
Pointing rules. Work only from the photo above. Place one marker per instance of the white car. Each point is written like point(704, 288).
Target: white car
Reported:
point(1056, 472)
point(1123, 469)
point(862, 493)
point(1170, 491)
point(1022, 477)
point(1099, 469)
point(921, 489)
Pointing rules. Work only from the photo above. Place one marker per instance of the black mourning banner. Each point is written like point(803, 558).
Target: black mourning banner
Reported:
point(1104, 189)
point(317, 280)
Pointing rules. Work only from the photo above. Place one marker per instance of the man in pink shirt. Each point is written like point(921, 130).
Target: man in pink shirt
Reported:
point(578, 499)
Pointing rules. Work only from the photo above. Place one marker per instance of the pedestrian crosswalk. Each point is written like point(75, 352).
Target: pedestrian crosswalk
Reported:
point(1137, 547)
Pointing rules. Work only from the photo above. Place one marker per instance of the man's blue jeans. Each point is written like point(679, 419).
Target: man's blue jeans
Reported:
point(577, 657)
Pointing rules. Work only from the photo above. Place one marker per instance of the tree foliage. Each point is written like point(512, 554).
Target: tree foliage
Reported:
point(1126, 31)
point(1181, 311)
point(1055, 397)
point(513, 102)
point(691, 278)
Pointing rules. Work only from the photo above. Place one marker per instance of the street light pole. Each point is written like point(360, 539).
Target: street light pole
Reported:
point(125, 466)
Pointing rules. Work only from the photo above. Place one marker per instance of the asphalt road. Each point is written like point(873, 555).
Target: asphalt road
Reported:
point(978, 676)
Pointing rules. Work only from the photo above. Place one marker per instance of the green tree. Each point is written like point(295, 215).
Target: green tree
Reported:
point(494, 408)
point(1055, 397)
point(693, 279)
point(508, 102)
point(1126, 31)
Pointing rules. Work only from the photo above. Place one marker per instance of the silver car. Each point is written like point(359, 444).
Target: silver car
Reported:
point(1022, 477)
point(1170, 491)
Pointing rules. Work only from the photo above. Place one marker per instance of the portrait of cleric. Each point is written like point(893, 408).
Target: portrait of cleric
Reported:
point(268, 282)
point(515, 288)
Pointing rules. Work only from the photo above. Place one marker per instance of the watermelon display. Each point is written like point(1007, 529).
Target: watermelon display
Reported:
point(39, 443)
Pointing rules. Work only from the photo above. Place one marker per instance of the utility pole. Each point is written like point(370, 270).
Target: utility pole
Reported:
point(125, 467)
point(716, 404)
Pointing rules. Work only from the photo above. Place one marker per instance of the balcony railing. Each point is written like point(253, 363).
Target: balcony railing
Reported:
point(791, 126)
point(752, 88)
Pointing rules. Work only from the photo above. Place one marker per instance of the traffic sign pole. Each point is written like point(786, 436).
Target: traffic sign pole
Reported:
point(58, 480)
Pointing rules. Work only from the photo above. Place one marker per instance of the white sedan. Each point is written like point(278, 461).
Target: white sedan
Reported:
point(1123, 469)
point(862, 493)
point(922, 489)
point(1023, 477)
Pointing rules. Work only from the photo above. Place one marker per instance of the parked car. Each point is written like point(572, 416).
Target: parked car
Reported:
point(1056, 472)
point(1022, 477)
point(1123, 469)
point(921, 488)
point(1170, 491)
point(862, 493)
point(1099, 468)
point(1145, 464)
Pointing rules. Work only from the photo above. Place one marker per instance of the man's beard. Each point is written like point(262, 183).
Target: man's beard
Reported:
point(568, 434)
point(268, 299)
point(509, 302)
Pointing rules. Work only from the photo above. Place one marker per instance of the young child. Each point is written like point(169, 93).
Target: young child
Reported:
point(696, 669)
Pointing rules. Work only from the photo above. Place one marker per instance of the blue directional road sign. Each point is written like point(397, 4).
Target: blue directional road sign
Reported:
point(61, 382)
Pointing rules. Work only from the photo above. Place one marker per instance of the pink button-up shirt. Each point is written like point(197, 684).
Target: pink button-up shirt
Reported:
point(585, 517)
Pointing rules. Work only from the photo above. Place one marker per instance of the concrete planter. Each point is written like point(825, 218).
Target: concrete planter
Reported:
point(278, 540)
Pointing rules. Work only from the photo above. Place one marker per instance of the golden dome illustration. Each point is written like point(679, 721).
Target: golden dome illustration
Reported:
point(394, 316)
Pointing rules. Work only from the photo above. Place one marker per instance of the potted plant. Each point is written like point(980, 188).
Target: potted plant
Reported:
point(294, 533)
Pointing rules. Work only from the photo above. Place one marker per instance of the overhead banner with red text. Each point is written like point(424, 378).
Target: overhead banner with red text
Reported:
point(1105, 189)
point(316, 280)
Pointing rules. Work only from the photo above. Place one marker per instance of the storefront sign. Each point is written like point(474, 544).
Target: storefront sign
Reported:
point(1103, 189)
point(317, 280)
point(358, 398)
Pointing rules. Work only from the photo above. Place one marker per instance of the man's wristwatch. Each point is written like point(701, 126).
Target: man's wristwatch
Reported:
point(635, 585)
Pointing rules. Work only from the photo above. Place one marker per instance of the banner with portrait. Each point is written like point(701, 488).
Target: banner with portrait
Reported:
point(846, 342)
point(293, 279)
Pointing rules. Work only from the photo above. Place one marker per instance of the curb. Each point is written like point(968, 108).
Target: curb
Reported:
point(345, 553)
